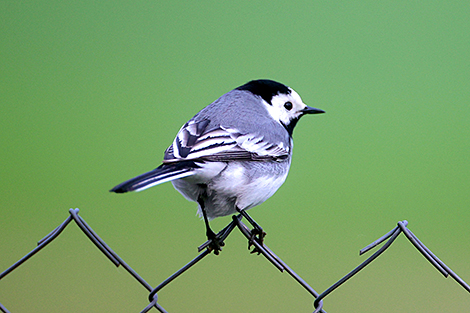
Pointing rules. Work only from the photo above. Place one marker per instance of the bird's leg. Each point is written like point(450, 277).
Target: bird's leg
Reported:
point(216, 243)
point(257, 232)
point(223, 234)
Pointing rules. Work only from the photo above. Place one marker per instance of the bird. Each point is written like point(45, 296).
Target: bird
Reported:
point(232, 155)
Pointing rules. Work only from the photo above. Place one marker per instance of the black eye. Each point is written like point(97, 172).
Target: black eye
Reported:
point(288, 105)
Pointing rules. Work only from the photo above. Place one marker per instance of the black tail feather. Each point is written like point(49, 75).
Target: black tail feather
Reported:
point(163, 173)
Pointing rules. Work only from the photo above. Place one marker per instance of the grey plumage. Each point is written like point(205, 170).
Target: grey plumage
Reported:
point(240, 109)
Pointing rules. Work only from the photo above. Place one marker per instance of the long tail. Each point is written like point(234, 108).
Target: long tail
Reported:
point(162, 174)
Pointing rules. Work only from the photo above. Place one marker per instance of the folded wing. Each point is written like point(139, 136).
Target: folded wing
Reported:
point(195, 142)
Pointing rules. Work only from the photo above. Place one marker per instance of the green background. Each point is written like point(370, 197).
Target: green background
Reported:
point(92, 93)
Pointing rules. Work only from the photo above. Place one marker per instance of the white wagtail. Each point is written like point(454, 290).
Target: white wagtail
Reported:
point(232, 155)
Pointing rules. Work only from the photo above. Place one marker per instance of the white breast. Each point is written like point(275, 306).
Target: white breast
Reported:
point(236, 185)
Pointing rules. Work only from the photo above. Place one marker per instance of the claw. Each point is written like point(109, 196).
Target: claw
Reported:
point(257, 234)
point(216, 243)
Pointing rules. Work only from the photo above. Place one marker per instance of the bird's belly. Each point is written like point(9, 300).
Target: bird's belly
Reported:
point(238, 185)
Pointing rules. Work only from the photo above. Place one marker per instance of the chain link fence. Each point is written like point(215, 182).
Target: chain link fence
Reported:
point(260, 248)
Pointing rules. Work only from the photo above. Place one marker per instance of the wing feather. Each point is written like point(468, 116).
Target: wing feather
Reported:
point(195, 142)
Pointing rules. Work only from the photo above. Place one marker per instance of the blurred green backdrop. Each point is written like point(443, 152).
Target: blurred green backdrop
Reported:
point(93, 92)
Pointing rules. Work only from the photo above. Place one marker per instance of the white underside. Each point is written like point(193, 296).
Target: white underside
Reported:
point(232, 185)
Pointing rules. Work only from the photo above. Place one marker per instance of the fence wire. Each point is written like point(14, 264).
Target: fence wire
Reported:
point(260, 248)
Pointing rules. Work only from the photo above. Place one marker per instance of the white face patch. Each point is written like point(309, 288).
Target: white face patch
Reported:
point(282, 111)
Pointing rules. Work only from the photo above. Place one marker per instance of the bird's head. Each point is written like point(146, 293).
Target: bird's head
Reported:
point(283, 104)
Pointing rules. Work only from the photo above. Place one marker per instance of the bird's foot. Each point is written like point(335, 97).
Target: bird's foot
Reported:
point(257, 234)
point(216, 243)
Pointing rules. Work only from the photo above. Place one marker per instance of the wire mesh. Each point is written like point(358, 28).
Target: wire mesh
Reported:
point(259, 247)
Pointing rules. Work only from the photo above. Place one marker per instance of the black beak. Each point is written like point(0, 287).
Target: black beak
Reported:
point(310, 110)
